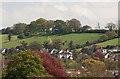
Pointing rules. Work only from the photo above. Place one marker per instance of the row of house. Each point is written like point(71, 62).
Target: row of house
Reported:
point(107, 53)
point(61, 54)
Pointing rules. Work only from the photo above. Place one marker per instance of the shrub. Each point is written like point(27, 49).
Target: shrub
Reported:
point(58, 43)
point(111, 64)
point(21, 36)
point(35, 46)
point(103, 38)
point(24, 64)
point(111, 34)
point(96, 68)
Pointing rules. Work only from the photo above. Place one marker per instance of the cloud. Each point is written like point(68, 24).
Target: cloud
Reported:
point(61, 7)
point(60, 0)
point(83, 11)
point(87, 12)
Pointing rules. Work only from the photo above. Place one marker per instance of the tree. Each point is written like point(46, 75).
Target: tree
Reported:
point(72, 64)
point(21, 36)
point(86, 27)
point(24, 45)
point(58, 44)
point(82, 57)
point(111, 26)
point(59, 26)
point(71, 45)
point(24, 64)
point(99, 54)
point(111, 64)
point(111, 34)
point(87, 43)
point(94, 67)
point(75, 54)
point(35, 46)
point(103, 38)
point(41, 24)
point(38, 26)
point(48, 44)
point(6, 30)
point(19, 28)
point(74, 24)
point(52, 65)
point(32, 28)
point(49, 26)
point(9, 37)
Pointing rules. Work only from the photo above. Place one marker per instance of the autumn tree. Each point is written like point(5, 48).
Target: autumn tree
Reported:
point(99, 54)
point(24, 64)
point(52, 65)
point(94, 67)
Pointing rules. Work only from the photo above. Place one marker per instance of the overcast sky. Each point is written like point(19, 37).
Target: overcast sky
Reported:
point(86, 12)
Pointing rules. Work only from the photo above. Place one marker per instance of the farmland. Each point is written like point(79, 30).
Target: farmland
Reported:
point(76, 38)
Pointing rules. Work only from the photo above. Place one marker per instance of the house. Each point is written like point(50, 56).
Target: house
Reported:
point(65, 54)
point(107, 55)
point(4, 51)
point(53, 51)
point(115, 49)
point(104, 51)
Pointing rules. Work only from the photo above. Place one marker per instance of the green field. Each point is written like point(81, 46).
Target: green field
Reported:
point(109, 42)
point(76, 38)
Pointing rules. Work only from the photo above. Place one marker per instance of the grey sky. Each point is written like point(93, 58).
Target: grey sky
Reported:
point(87, 12)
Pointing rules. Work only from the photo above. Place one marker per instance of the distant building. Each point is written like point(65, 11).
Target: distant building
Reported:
point(65, 54)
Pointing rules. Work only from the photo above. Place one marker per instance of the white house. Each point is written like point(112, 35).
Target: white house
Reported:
point(65, 54)
point(54, 51)
point(104, 51)
point(107, 55)
point(3, 51)
point(115, 49)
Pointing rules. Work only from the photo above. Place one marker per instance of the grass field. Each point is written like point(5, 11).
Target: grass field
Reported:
point(76, 38)
point(109, 42)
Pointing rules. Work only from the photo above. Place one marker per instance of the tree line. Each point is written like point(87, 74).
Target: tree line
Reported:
point(42, 26)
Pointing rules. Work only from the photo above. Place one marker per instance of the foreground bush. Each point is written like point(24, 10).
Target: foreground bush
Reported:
point(24, 64)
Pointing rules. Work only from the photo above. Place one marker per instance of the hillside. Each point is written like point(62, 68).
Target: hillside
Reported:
point(109, 42)
point(76, 38)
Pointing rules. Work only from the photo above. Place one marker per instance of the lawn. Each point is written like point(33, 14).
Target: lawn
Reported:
point(109, 42)
point(76, 38)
